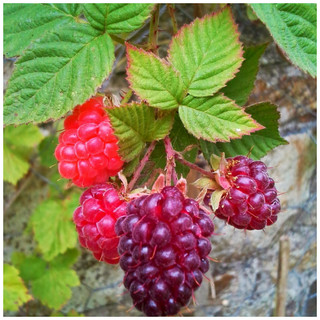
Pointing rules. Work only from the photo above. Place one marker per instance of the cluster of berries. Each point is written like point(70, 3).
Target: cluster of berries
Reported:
point(160, 239)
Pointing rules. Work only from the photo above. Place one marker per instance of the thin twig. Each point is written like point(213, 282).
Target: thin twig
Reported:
point(22, 186)
point(141, 165)
point(153, 32)
point(283, 269)
point(193, 166)
point(170, 171)
point(173, 18)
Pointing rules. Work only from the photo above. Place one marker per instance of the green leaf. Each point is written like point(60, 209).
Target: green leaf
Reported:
point(240, 87)
point(259, 143)
point(57, 73)
point(135, 125)
point(153, 79)
point(53, 287)
point(126, 17)
point(17, 147)
point(17, 258)
point(130, 166)
point(294, 27)
point(96, 14)
point(53, 228)
point(25, 23)
point(15, 293)
point(117, 17)
point(67, 260)
point(46, 151)
point(207, 53)
point(32, 268)
point(216, 118)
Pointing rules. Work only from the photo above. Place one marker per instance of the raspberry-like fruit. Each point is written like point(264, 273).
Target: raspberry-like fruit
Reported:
point(100, 208)
point(164, 247)
point(251, 202)
point(87, 151)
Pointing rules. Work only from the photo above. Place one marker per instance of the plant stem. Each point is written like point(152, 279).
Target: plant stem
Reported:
point(173, 18)
point(170, 171)
point(193, 166)
point(127, 97)
point(153, 31)
point(141, 165)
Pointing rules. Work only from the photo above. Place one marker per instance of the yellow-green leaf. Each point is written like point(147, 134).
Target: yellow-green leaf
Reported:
point(15, 292)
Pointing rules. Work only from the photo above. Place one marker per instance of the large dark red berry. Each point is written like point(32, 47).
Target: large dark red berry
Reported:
point(251, 202)
point(87, 151)
point(95, 219)
point(164, 250)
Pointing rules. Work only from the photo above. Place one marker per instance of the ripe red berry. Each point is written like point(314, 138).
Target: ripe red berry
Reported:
point(100, 208)
point(251, 202)
point(164, 249)
point(87, 151)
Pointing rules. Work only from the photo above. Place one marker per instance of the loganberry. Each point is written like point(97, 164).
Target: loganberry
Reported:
point(100, 208)
point(251, 202)
point(164, 249)
point(87, 151)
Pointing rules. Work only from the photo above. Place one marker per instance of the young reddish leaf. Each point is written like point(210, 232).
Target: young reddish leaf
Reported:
point(207, 53)
point(258, 144)
point(240, 87)
point(216, 118)
point(153, 79)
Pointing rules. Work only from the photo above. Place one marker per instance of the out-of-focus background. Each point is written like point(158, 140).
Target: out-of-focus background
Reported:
point(245, 278)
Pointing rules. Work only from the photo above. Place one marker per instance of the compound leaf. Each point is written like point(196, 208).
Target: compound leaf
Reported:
point(207, 53)
point(294, 27)
point(153, 79)
point(15, 292)
point(259, 143)
point(53, 228)
point(216, 118)
point(135, 125)
point(25, 23)
point(58, 72)
point(240, 87)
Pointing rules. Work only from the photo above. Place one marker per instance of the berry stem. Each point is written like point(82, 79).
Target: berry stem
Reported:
point(193, 166)
point(170, 171)
point(141, 165)
point(171, 10)
point(153, 32)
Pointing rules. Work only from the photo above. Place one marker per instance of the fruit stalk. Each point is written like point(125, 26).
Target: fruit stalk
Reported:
point(153, 32)
point(171, 10)
point(170, 171)
point(142, 163)
point(193, 166)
